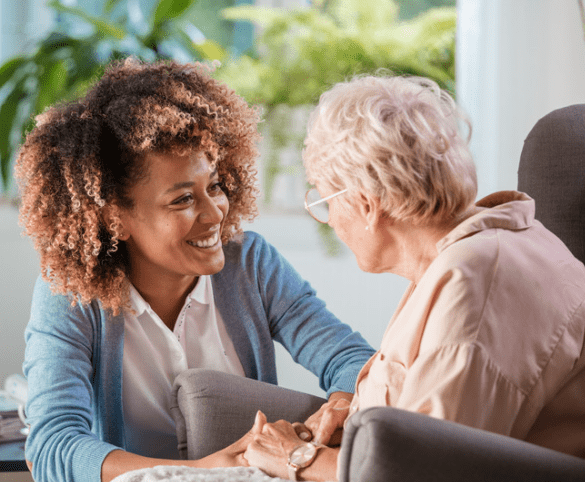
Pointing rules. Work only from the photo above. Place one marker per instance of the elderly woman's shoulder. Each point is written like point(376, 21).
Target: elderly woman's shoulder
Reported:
point(476, 252)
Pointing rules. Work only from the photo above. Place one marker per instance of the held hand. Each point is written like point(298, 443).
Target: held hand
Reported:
point(326, 424)
point(269, 450)
point(233, 455)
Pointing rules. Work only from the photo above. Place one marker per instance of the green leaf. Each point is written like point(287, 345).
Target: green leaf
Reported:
point(103, 27)
point(8, 69)
point(362, 15)
point(263, 16)
point(110, 4)
point(52, 44)
point(51, 85)
point(210, 50)
point(170, 9)
point(8, 113)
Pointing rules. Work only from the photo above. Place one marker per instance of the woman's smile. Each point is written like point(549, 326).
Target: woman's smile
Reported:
point(212, 241)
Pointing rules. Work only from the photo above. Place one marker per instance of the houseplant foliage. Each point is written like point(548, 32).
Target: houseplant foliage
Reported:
point(301, 53)
point(63, 63)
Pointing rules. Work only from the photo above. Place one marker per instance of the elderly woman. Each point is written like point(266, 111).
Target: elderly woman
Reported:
point(134, 197)
point(490, 332)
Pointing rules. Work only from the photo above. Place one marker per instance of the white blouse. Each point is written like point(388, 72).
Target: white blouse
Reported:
point(154, 356)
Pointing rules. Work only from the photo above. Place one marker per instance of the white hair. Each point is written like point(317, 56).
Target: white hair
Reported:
point(396, 138)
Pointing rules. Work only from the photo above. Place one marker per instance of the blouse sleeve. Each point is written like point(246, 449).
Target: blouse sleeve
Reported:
point(58, 367)
point(461, 383)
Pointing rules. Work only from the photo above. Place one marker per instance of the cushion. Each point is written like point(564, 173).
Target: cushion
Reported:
point(552, 172)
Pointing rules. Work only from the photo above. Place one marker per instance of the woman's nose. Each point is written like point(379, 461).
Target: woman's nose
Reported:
point(213, 211)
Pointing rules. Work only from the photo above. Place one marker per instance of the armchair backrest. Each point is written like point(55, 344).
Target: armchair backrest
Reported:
point(552, 172)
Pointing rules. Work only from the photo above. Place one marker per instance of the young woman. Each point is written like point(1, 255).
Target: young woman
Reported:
point(134, 197)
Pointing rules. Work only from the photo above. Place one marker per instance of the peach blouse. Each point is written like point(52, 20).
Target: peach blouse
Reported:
point(492, 336)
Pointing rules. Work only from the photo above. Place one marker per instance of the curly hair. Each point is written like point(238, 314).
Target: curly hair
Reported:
point(83, 157)
point(397, 138)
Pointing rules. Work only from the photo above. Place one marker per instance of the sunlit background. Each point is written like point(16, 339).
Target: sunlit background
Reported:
point(508, 62)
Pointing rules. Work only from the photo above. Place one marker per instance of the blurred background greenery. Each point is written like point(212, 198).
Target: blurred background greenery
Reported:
point(280, 58)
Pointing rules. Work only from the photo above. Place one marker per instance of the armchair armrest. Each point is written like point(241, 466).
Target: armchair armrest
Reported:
point(381, 444)
point(213, 409)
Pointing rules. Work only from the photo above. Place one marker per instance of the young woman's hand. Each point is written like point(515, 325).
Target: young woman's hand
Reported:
point(326, 425)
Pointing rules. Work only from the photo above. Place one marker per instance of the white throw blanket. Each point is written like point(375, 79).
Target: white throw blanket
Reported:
point(191, 474)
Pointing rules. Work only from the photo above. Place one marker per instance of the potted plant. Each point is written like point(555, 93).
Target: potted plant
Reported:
point(63, 63)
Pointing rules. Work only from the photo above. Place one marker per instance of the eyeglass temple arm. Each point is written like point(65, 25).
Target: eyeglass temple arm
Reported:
point(324, 199)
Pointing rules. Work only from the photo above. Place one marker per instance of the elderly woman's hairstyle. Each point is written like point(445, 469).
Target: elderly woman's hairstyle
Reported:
point(83, 158)
point(396, 138)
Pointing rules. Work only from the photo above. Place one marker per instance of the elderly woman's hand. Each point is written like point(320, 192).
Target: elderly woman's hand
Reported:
point(271, 445)
point(326, 425)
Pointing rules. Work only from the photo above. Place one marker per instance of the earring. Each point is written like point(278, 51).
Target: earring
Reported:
point(367, 228)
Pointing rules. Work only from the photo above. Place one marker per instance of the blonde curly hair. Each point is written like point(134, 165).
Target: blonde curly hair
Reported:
point(83, 157)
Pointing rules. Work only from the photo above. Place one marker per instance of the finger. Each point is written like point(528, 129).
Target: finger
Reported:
point(330, 422)
point(313, 422)
point(335, 440)
point(259, 422)
point(302, 431)
point(241, 460)
point(279, 428)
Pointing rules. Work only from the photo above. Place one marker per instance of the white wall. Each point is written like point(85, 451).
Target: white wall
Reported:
point(21, 23)
point(18, 271)
point(516, 61)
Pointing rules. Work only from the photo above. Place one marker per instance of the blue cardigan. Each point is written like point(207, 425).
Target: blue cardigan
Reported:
point(73, 358)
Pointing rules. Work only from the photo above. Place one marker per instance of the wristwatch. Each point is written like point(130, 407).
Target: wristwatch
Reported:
point(300, 457)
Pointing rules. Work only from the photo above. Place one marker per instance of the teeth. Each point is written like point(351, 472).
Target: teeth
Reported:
point(206, 243)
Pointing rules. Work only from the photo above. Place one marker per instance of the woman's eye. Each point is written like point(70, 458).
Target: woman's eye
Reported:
point(186, 199)
point(216, 187)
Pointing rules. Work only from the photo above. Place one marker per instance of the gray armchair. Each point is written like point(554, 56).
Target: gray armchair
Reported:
point(385, 444)
point(213, 409)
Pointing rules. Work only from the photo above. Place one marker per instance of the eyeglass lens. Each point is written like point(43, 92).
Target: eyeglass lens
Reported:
point(319, 211)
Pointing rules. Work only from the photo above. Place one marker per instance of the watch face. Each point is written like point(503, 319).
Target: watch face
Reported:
point(302, 455)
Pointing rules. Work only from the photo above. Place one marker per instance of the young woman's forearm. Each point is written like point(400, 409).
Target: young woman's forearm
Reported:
point(119, 462)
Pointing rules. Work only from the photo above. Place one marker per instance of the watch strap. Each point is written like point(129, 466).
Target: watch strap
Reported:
point(292, 471)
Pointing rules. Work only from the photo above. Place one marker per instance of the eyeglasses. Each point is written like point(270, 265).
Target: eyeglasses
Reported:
point(318, 206)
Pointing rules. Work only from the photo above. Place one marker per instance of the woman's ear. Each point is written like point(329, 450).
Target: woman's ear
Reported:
point(371, 210)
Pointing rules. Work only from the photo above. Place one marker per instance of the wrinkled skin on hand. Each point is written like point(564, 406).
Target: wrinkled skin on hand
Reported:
point(326, 425)
point(270, 446)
